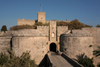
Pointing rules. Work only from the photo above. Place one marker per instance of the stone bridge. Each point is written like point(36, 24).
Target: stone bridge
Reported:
point(62, 60)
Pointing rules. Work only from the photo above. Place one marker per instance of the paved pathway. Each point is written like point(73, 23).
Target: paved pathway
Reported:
point(58, 61)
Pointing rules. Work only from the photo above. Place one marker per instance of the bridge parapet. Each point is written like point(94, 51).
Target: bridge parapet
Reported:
point(71, 61)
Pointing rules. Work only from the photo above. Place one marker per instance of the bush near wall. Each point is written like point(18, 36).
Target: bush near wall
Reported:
point(18, 27)
point(40, 24)
point(74, 24)
point(22, 61)
point(4, 28)
point(85, 61)
point(98, 25)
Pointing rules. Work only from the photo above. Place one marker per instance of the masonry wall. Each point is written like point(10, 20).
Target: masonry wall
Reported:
point(44, 29)
point(26, 22)
point(35, 45)
point(95, 32)
point(75, 46)
point(41, 17)
point(5, 44)
point(61, 30)
point(31, 40)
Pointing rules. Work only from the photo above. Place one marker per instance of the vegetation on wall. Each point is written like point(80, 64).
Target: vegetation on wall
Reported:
point(98, 25)
point(22, 61)
point(97, 54)
point(74, 24)
point(40, 24)
point(4, 28)
point(18, 27)
point(98, 65)
point(85, 61)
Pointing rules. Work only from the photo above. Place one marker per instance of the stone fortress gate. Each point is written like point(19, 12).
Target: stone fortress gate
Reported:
point(50, 38)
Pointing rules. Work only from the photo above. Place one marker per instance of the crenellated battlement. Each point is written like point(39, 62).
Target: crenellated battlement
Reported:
point(26, 22)
point(41, 12)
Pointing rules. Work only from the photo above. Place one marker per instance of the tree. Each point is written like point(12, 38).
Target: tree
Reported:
point(19, 27)
point(75, 24)
point(85, 61)
point(4, 28)
point(62, 23)
point(98, 25)
point(85, 25)
point(97, 52)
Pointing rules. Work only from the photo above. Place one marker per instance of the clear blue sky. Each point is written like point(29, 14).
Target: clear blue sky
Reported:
point(87, 11)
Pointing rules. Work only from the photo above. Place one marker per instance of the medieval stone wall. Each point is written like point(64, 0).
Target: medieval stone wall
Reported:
point(95, 32)
point(5, 44)
point(75, 46)
point(61, 30)
point(26, 22)
point(35, 45)
point(31, 40)
point(44, 29)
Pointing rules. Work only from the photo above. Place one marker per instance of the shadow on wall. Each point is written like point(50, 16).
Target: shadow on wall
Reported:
point(72, 62)
point(61, 43)
point(81, 56)
point(84, 60)
point(45, 62)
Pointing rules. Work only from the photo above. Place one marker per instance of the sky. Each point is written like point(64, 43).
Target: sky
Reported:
point(86, 11)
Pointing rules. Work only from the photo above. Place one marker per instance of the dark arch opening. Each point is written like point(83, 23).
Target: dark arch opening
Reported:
point(53, 47)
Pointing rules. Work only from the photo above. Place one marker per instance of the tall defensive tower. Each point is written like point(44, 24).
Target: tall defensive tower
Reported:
point(41, 17)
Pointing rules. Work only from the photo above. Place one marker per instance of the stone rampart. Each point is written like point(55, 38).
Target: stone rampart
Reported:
point(74, 46)
point(2, 34)
point(32, 40)
point(26, 22)
point(30, 33)
point(44, 29)
point(6, 33)
point(61, 30)
point(95, 32)
point(5, 43)
point(37, 46)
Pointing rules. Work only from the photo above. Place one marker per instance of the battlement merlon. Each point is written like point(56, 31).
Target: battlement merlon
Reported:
point(41, 13)
point(26, 22)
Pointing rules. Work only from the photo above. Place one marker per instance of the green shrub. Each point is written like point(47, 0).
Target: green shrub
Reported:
point(22, 61)
point(18, 27)
point(98, 65)
point(4, 28)
point(97, 52)
point(62, 23)
point(3, 58)
point(98, 25)
point(74, 24)
point(85, 61)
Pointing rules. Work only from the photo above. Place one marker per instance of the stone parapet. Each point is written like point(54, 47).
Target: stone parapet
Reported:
point(26, 22)
point(29, 33)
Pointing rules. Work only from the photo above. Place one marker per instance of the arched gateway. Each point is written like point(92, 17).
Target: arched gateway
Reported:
point(52, 47)
point(53, 43)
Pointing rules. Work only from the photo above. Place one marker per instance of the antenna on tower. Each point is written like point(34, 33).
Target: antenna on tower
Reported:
point(41, 7)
